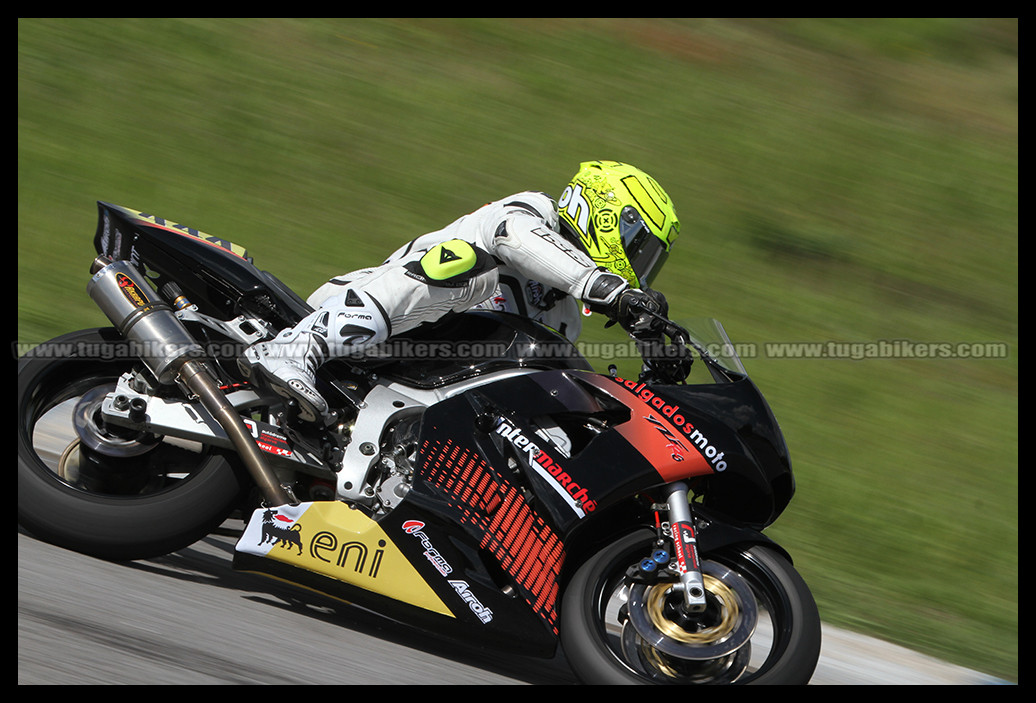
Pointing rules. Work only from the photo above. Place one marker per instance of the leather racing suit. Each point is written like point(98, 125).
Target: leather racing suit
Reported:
point(506, 255)
point(519, 263)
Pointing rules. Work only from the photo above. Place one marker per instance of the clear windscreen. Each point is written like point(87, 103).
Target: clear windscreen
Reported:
point(711, 340)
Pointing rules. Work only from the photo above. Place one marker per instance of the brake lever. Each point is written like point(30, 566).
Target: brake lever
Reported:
point(669, 328)
point(677, 336)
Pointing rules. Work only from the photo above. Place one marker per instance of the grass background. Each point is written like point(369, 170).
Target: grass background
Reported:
point(837, 180)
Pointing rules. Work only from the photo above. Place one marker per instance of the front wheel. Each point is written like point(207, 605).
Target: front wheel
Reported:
point(100, 490)
point(761, 625)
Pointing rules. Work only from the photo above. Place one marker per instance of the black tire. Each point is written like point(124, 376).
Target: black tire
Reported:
point(160, 500)
point(597, 657)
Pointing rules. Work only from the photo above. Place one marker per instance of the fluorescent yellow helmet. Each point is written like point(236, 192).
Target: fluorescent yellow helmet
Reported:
point(621, 217)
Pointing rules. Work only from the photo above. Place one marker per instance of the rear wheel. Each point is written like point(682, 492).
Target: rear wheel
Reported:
point(761, 625)
point(106, 491)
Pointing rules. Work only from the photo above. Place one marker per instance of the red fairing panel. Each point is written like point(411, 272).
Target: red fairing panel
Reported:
point(661, 432)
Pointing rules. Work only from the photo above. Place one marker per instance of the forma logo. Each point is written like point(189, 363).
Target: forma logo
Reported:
point(415, 527)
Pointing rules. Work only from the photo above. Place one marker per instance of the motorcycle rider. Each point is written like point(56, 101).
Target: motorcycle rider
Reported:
point(602, 243)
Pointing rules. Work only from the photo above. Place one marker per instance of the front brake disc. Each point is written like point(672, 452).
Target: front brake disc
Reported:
point(726, 625)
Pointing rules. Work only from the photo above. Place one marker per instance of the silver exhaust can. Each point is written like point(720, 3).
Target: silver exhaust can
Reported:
point(169, 351)
point(157, 336)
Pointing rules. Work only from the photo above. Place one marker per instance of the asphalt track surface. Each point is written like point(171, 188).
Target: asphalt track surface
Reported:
point(189, 619)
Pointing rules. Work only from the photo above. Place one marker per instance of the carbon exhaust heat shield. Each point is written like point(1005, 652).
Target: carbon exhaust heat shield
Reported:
point(169, 351)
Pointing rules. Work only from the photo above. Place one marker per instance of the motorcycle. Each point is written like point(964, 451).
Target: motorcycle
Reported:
point(491, 487)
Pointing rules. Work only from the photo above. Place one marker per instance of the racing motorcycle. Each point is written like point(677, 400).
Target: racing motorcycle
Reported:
point(501, 492)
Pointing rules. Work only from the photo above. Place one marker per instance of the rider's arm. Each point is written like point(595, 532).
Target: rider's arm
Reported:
point(528, 243)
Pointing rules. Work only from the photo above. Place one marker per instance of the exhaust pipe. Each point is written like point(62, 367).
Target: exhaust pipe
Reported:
point(196, 376)
point(169, 351)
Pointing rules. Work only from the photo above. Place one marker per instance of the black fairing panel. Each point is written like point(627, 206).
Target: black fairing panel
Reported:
point(755, 492)
point(215, 274)
point(474, 343)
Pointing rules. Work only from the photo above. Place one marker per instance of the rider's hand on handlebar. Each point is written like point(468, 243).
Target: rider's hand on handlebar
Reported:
point(642, 312)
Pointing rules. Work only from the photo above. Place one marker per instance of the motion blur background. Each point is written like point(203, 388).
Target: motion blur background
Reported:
point(839, 182)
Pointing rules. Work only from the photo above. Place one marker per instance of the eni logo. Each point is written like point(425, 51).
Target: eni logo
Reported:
point(324, 545)
point(131, 290)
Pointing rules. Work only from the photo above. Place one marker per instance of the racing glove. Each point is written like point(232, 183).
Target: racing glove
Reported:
point(611, 295)
point(642, 312)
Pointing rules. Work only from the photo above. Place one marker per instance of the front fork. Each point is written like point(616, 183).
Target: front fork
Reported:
point(685, 544)
point(685, 547)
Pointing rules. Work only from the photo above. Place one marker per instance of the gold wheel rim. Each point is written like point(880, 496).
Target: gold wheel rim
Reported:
point(67, 465)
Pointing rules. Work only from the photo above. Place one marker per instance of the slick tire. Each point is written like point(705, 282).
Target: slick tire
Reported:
point(596, 659)
point(109, 526)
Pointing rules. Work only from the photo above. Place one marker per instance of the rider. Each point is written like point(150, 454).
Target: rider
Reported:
point(601, 243)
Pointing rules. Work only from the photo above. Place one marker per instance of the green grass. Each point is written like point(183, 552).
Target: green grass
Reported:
point(837, 180)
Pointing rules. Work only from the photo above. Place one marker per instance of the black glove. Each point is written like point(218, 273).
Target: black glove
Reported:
point(642, 312)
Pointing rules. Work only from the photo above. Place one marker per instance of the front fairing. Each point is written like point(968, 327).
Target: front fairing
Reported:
point(739, 457)
point(730, 447)
point(583, 441)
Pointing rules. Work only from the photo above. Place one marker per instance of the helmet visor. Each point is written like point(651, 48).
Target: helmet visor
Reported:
point(645, 252)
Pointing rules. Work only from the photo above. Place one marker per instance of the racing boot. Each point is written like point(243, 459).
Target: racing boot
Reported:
point(288, 362)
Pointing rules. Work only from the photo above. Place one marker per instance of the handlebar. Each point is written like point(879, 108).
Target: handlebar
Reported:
point(674, 366)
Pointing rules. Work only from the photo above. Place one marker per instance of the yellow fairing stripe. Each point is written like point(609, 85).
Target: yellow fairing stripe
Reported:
point(226, 245)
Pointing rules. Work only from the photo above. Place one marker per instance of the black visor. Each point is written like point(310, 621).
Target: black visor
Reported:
point(646, 252)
